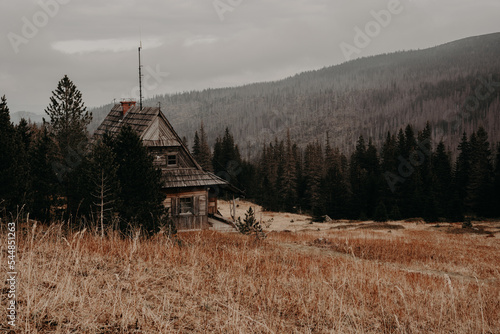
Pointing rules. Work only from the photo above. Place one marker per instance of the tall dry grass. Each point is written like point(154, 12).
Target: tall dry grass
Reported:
point(341, 282)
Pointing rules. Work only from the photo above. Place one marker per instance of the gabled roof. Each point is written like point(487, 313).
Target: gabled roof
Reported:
point(155, 130)
point(150, 124)
point(138, 120)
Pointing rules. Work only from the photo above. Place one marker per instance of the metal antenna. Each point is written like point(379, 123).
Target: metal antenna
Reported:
point(140, 78)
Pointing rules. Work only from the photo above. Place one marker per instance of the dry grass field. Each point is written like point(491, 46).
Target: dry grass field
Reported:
point(360, 279)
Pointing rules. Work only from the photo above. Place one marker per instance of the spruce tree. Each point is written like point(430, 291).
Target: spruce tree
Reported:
point(313, 176)
point(69, 119)
point(479, 186)
point(43, 179)
point(21, 187)
point(373, 181)
point(496, 184)
point(441, 182)
point(461, 177)
point(140, 182)
point(204, 157)
point(358, 176)
point(289, 176)
point(423, 196)
point(7, 159)
point(196, 146)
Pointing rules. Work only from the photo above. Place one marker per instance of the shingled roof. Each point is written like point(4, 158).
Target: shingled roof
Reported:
point(139, 120)
point(189, 177)
point(143, 121)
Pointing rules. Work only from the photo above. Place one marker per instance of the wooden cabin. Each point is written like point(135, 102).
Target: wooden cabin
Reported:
point(190, 192)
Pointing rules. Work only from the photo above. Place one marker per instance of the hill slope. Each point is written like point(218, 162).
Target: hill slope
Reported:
point(368, 96)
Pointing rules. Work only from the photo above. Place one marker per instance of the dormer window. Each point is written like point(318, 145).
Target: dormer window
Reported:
point(172, 160)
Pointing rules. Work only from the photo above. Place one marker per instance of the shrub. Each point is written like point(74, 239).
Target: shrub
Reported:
point(250, 225)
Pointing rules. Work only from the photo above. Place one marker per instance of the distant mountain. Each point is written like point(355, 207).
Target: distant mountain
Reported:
point(15, 117)
point(455, 86)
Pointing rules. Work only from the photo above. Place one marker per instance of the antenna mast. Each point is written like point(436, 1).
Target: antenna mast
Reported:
point(140, 78)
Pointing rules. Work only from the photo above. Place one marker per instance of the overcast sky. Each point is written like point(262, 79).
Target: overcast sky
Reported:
point(197, 44)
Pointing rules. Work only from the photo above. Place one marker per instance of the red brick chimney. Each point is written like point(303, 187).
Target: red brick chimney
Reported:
point(126, 105)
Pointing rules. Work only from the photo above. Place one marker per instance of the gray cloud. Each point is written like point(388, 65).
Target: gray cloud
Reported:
point(95, 42)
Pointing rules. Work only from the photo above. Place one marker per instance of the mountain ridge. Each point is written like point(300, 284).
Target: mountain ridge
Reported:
point(367, 96)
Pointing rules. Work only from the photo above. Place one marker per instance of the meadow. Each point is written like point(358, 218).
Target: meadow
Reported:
point(340, 280)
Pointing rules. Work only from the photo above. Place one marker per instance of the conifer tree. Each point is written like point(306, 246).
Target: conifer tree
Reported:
point(196, 146)
point(358, 176)
point(204, 157)
point(479, 186)
point(43, 178)
point(496, 183)
point(441, 182)
point(313, 175)
point(289, 176)
point(226, 158)
point(7, 158)
point(140, 182)
point(21, 186)
point(461, 176)
point(420, 158)
point(69, 119)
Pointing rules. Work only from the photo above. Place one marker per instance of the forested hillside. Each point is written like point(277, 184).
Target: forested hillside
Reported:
point(455, 87)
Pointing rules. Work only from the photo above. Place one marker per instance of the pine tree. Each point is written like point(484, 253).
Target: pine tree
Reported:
point(441, 182)
point(250, 225)
point(43, 179)
point(204, 155)
point(313, 176)
point(407, 189)
point(69, 119)
point(421, 160)
point(389, 170)
point(140, 182)
point(496, 183)
point(21, 187)
point(289, 175)
point(461, 177)
point(479, 186)
point(373, 181)
point(7, 159)
point(196, 146)
point(358, 175)
point(226, 158)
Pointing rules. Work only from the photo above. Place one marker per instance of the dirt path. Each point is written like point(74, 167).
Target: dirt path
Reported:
point(324, 251)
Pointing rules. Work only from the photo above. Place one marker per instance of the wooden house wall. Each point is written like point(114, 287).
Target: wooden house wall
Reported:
point(198, 219)
point(160, 153)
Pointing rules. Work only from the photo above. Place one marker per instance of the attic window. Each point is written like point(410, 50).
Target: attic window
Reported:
point(172, 160)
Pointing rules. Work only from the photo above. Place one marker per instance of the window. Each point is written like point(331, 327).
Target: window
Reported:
point(186, 205)
point(172, 160)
